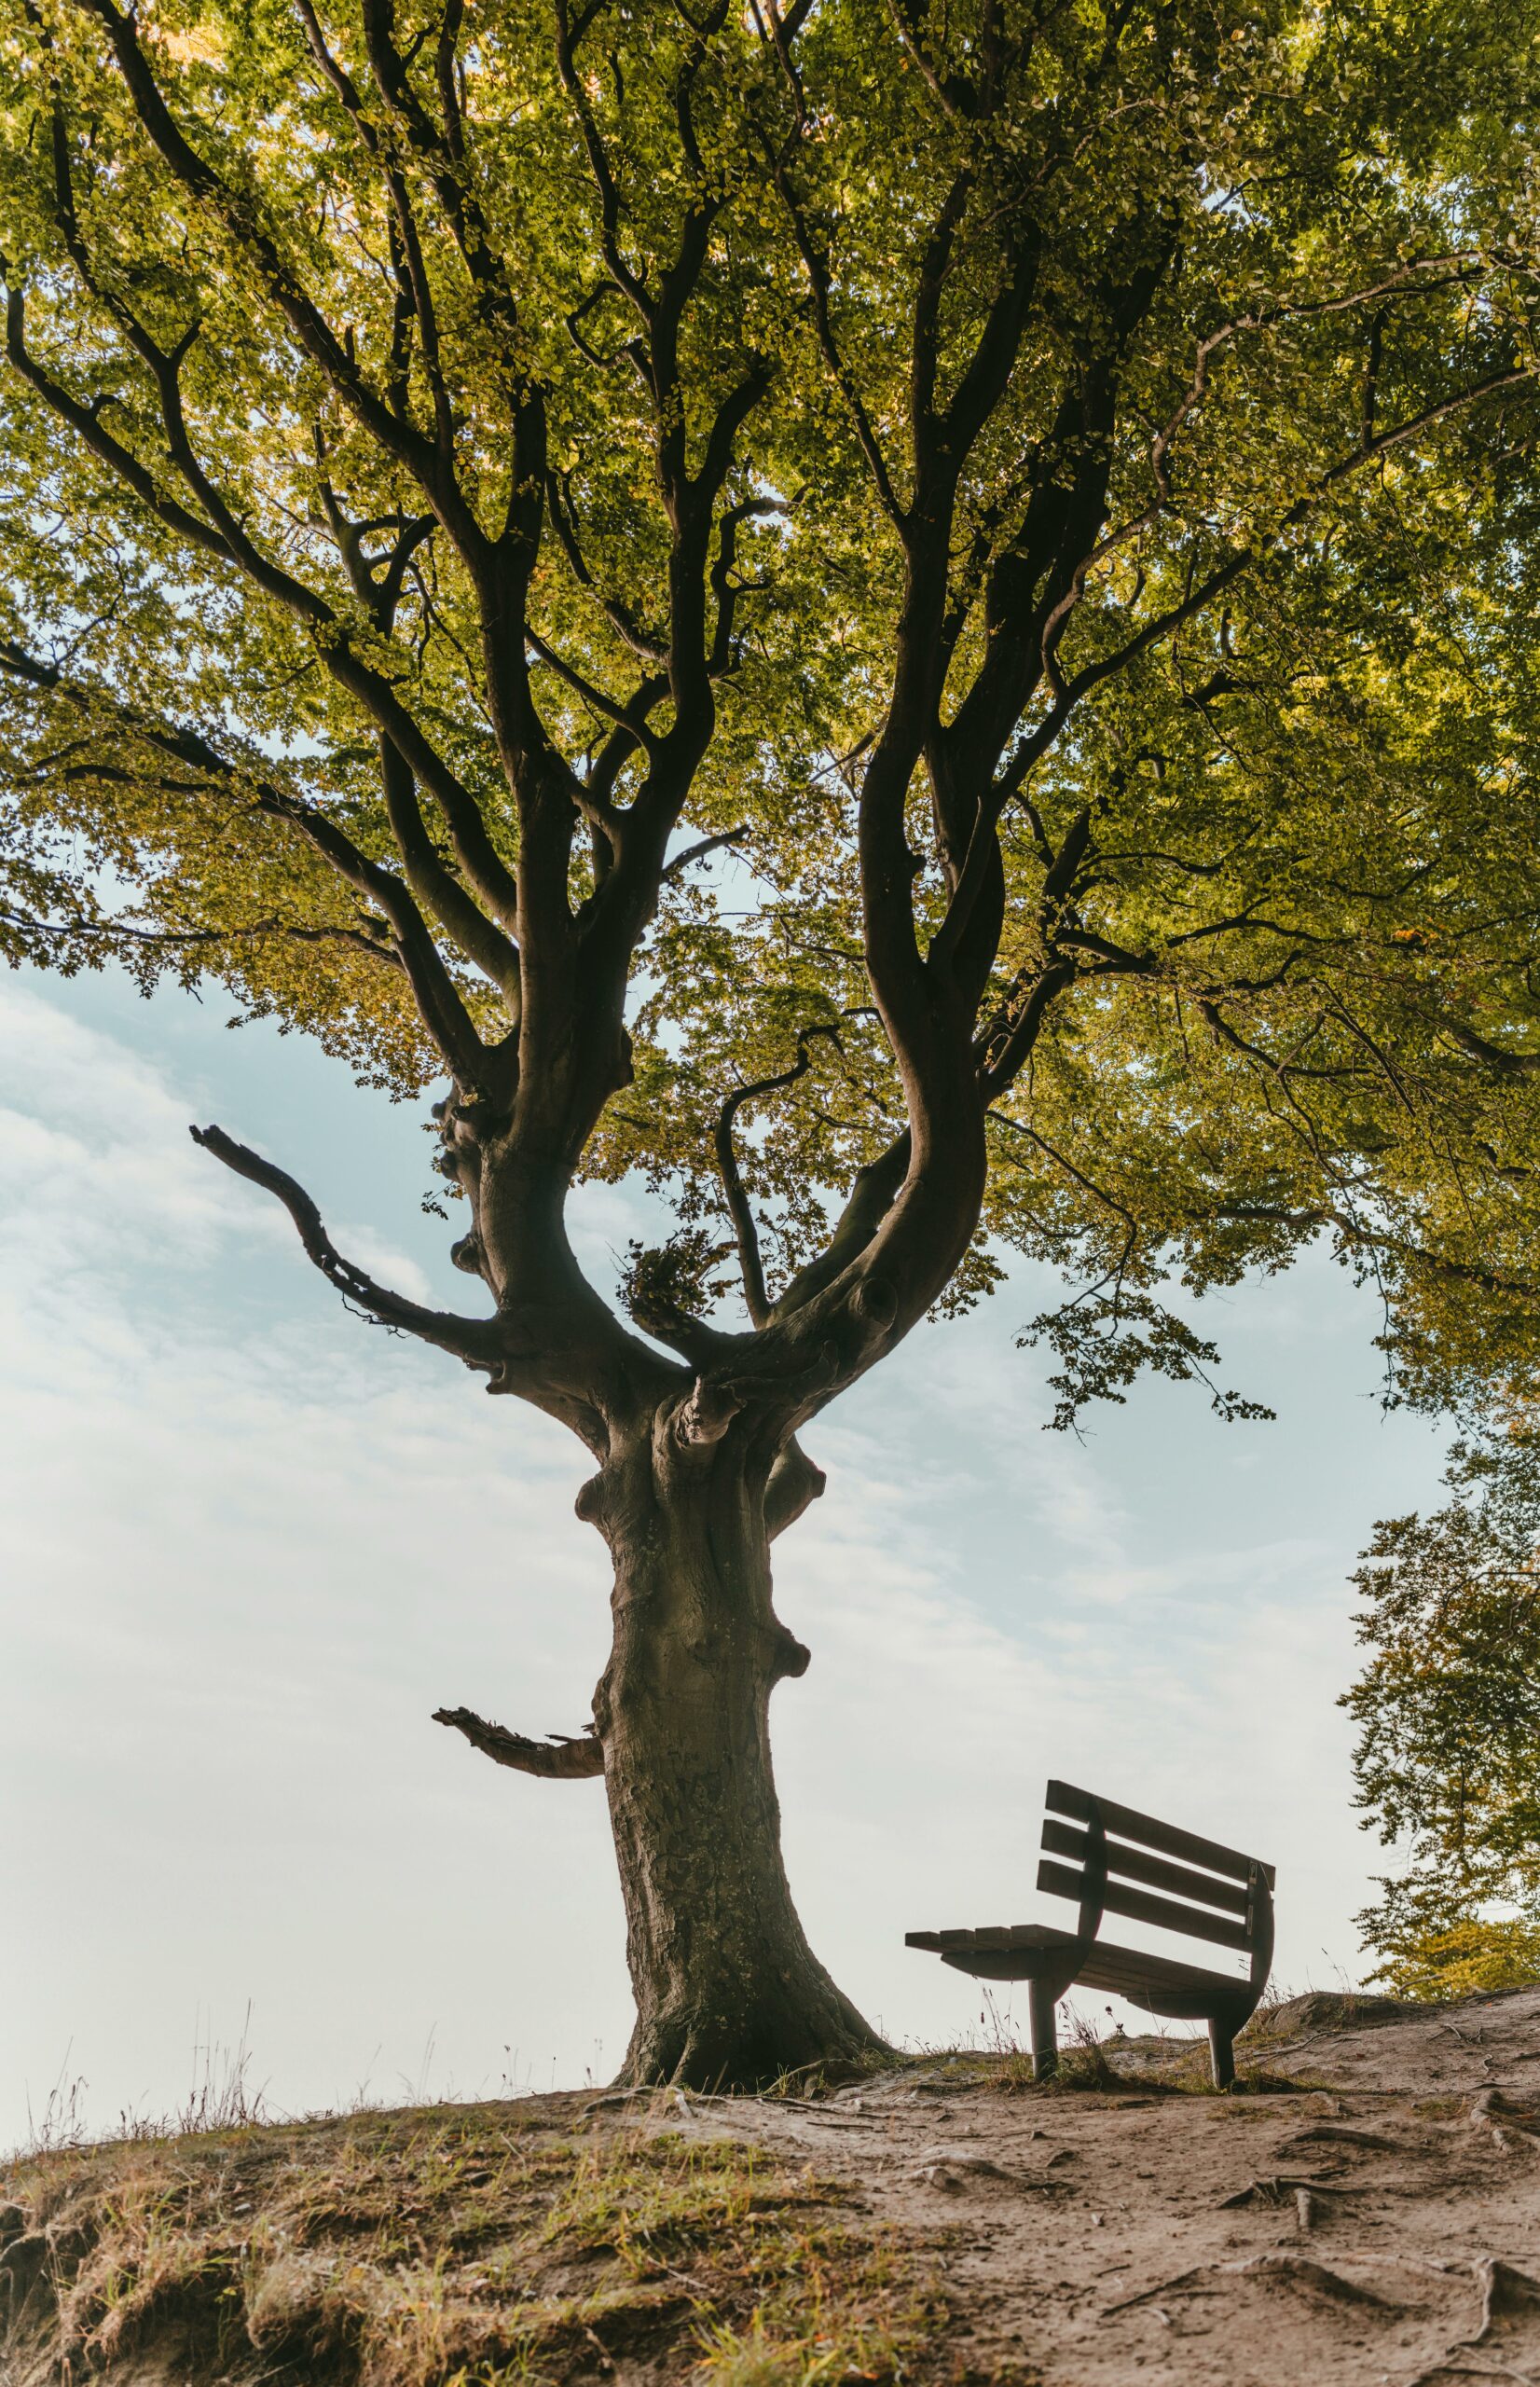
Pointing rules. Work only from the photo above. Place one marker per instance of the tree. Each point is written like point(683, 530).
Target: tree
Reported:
point(911, 621)
point(1447, 1759)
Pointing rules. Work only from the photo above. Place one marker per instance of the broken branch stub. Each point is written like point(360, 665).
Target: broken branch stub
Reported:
point(557, 1758)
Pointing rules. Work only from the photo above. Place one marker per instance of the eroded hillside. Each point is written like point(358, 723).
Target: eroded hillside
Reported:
point(1365, 2208)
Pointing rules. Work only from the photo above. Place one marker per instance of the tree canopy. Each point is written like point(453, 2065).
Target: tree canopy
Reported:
point(913, 620)
point(594, 395)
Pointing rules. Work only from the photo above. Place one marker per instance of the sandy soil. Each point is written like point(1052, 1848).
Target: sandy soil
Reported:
point(1378, 2222)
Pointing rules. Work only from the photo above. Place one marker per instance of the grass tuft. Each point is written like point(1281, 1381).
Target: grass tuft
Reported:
point(478, 2247)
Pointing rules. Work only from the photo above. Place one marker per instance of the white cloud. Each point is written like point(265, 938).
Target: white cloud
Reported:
point(86, 1112)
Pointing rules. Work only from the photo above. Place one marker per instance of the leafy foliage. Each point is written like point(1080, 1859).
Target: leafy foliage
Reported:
point(1447, 1759)
point(434, 433)
point(1103, 1342)
point(1479, 1955)
point(673, 1281)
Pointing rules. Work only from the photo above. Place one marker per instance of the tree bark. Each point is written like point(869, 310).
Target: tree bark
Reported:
point(729, 1994)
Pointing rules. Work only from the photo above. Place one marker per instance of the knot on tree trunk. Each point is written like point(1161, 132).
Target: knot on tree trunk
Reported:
point(793, 1656)
point(875, 1302)
point(705, 1414)
point(707, 1410)
point(794, 1484)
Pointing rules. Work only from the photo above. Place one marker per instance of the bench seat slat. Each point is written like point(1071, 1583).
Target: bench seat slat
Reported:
point(1137, 1865)
point(1123, 1971)
point(1156, 1983)
point(1007, 1936)
point(1065, 1800)
point(1192, 1921)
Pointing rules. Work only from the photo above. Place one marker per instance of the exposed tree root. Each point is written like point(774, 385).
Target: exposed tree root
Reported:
point(1505, 2292)
point(1340, 2134)
point(1298, 2271)
point(1278, 2187)
point(1294, 2270)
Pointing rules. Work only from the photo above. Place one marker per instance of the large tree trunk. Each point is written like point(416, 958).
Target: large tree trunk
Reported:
point(729, 1994)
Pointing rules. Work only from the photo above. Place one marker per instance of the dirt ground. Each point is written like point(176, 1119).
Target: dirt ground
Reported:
point(1379, 2224)
point(1363, 2210)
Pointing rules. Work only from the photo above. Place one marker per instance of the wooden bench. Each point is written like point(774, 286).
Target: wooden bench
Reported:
point(1117, 1862)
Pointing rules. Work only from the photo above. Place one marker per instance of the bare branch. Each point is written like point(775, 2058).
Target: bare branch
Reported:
point(556, 1759)
point(114, 932)
point(739, 1205)
point(704, 846)
point(1506, 1064)
point(608, 708)
point(480, 1343)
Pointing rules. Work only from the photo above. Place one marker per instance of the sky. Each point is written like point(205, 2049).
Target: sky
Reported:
point(251, 1542)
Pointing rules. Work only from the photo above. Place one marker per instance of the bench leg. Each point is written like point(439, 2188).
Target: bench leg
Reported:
point(1221, 2047)
point(1040, 2004)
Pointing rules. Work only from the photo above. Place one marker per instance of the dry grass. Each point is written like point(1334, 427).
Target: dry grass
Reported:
point(1158, 2064)
point(220, 2097)
point(473, 2247)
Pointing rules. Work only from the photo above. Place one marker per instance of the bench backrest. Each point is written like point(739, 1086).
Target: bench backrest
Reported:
point(1226, 1903)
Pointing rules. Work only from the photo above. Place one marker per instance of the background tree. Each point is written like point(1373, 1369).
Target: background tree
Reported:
point(1447, 1759)
point(911, 620)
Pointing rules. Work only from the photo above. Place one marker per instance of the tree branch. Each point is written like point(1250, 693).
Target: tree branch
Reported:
point(220, 537)
point(438, 998)
point(641, 641)
point(206, 186)
point(477, 935)
point(608, 708)
point(567, 36)
point(1007, 1054)
point(124, 933)
point(819, 282)
point(1506, 1064)
point(871, 1196)
point(478, 938)
point(442, 150)
point(479, 1342)
point(556, 1759)
point(703, 845)
point(724, 588)
point(739, 1208)
point(1068, 694)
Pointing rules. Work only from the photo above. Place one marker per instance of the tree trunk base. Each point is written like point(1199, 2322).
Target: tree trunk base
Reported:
point(716, 2046)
